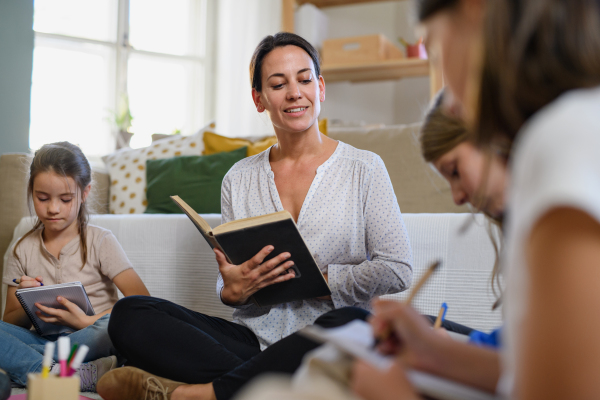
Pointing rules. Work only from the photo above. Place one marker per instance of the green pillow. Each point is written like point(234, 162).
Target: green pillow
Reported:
point(196, 179)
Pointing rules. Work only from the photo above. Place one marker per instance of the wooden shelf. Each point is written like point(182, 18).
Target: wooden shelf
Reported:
point(383, 70)
point(333, 3)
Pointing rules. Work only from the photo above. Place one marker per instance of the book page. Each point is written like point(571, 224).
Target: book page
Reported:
point(252, 221)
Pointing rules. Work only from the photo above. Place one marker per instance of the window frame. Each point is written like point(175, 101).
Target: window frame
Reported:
point(203, 17)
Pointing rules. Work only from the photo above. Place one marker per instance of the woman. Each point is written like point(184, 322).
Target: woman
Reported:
point(346, 210)
point(541, 93)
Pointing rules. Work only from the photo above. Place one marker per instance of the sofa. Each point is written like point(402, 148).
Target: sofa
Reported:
point(175, 262)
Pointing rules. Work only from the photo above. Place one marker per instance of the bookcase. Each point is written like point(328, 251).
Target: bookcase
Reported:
point(379, 71)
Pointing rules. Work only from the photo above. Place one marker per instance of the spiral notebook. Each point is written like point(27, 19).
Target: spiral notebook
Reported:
point(46, 296)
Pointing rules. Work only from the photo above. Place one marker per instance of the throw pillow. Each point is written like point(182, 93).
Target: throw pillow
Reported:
point(127, 169)
point(214, 143)
point(196, 179)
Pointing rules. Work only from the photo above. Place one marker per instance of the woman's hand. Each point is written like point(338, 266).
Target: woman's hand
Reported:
point(405, 333)
point(73, 316)
point(371, 383)
point(242, 281)
point(29, 282)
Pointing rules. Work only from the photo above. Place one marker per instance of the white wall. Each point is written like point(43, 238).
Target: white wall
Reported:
point(389, 102)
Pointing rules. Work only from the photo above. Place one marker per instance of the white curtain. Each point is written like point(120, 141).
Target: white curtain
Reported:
point(241, 24)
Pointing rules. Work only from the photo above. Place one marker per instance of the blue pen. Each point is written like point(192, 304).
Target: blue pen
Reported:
point(18, 281)
point(441, 316)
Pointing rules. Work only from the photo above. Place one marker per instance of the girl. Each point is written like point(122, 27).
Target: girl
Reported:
point(346, 210)
point(446, 143)
point(541, 93)
point(60, 248)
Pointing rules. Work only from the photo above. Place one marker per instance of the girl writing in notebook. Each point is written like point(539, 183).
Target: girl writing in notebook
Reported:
point(62, 247)
point(344, 205)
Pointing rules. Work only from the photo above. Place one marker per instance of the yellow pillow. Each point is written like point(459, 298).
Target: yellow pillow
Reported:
point(214, 143)
point(323, 126)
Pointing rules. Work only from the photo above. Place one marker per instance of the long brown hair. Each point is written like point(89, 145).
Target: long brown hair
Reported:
point(534, 52)
point(65, 159)
point(440, 134)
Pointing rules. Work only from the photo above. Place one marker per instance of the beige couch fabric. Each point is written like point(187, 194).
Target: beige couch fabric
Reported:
point(13, 195)
point(418, 188)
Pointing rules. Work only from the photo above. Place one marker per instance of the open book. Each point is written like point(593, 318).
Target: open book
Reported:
point(46, 296)
point(242, 239)
point(356, 339)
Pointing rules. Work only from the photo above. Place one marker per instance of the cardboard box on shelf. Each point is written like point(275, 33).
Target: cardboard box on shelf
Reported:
point(359, 50)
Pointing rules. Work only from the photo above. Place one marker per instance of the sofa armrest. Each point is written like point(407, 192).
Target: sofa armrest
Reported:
point(13, 196)
point(100, 192)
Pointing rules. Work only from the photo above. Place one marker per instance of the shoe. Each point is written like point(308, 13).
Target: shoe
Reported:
point(130, 383)
point(91, 372)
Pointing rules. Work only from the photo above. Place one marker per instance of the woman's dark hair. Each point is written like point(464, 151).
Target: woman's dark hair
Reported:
point(534, 52)
point(268, 44)
point(65, 159)
point(427, 8)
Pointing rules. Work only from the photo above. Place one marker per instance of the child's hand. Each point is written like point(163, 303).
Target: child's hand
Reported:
point(28, 282)
point(371, 383)
point(73, 316)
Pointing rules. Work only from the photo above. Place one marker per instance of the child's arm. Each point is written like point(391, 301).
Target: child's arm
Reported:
point(130, 283)
point(14, 313)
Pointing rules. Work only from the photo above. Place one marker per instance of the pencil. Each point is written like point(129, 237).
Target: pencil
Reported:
point(441, 316)
point(388, 332)
point(18, 281)
point(422, 281)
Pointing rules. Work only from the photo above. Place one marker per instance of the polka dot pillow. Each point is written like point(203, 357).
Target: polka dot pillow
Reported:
point(127, 169)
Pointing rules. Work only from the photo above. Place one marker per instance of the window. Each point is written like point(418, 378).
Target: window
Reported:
point(91, 56)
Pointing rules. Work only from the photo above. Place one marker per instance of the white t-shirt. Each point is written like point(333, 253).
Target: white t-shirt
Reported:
point(350, 221)
point(556, 162)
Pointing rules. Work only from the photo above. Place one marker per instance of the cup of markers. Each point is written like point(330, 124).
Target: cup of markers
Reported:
point(64, 385)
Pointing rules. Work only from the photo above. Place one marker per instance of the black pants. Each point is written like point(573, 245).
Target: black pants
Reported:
point(171, 341)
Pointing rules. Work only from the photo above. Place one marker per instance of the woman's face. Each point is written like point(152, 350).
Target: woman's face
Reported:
point(291, 92)
point(464, 167)
point(453, 38)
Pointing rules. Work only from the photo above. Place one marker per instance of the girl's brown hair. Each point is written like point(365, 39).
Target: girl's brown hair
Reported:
point(440, 134)
point(65, 159)
point(534, 52)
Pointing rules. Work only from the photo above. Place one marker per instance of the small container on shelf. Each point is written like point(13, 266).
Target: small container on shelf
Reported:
point(359, 50)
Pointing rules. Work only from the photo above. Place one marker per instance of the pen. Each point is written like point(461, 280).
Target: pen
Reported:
point(18, 281)
point(48, 356)
point(64, 343)
point(441, 316)
point(73, 349)
point(388, 332)
point(78, 359)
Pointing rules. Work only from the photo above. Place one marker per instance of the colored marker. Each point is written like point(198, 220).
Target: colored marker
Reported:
point(441, 316)
point(64, 344)
point(78, 359)
point(18, 281)
point(73, 349)
point(48, 356)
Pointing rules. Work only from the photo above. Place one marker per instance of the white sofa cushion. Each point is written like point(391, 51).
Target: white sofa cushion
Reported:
point(175, 262)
